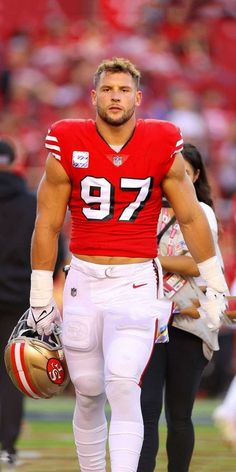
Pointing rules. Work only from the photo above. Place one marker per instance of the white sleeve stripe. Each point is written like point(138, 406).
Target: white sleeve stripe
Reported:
point(52, 146)
point(56, 156)
point(179, 142)
point(177, 150)
point(51, 138)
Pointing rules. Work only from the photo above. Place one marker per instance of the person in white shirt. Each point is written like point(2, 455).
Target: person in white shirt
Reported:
point(176, 367)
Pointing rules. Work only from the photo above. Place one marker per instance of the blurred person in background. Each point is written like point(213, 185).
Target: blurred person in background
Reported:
point(225, 414)
point(186, 114)
point(176, 367)
point(17, 216)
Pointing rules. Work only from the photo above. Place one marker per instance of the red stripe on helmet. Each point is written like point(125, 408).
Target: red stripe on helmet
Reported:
point(24, 369)
point(15, 371)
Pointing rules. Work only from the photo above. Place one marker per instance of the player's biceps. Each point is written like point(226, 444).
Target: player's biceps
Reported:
point(54, 193)
point(50, 215)
point(182, 199)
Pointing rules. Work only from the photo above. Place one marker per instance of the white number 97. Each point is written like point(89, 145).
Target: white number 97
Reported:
point(98, 193)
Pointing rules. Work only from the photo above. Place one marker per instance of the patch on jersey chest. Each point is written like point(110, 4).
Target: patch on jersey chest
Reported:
point(117, 160)
point(80, 159)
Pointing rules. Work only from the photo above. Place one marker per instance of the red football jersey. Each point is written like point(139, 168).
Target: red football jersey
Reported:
point(116, 196)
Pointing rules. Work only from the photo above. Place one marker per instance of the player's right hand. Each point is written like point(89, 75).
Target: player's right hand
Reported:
point(43, 319)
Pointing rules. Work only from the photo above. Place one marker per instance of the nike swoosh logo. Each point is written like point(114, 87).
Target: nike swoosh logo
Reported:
point(137, 286)
point(42, 315)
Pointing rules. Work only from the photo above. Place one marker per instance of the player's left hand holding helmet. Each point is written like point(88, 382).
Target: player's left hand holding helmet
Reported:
point(36, 363)
point(43, 319)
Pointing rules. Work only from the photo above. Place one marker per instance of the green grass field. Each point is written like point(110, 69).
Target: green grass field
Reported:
point(46, 442)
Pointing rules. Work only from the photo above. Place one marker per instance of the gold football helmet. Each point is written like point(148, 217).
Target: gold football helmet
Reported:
point(36, 363)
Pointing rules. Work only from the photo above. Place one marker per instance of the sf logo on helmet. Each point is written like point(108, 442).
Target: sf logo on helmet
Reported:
point(55, 371)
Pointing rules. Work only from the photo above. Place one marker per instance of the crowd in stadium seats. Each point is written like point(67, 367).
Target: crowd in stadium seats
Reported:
point(187, 59)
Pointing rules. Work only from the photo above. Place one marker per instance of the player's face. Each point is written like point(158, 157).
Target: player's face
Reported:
point(116, 98)
point(191, 171)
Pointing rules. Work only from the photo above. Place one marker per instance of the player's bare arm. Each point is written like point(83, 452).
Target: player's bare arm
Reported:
point(180, 192)
point(53, 195)
point(183, 265)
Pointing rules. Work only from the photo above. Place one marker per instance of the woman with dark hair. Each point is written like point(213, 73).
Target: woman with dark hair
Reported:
point(197, 173)
point(176, 367)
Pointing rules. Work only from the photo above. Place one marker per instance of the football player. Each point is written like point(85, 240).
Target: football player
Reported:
point(112, 173)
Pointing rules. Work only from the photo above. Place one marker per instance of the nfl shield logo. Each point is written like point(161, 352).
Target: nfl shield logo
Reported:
point(117, 161)
point(73, 292)
point(80, 159)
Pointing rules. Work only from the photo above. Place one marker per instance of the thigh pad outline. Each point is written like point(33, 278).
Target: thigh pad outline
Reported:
point(80, 333)
point(129, 344)
point(126, 358)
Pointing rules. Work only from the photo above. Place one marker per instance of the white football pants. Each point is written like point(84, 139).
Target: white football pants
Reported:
point(110, 319)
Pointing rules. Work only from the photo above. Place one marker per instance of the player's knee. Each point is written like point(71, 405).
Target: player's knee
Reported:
point(119, 389)
point(89, 384)
point(89, 406)
point(124, 399)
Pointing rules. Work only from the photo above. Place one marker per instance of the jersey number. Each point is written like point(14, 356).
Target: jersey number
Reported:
point(99, 194)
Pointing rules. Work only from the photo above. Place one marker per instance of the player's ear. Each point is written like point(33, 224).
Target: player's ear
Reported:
point(94, 97)
point(138, 98)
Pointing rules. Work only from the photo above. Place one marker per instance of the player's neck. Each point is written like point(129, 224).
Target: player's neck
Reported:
point(116, 135)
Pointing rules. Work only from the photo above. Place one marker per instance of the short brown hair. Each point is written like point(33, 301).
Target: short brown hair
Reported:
point(117, 64)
